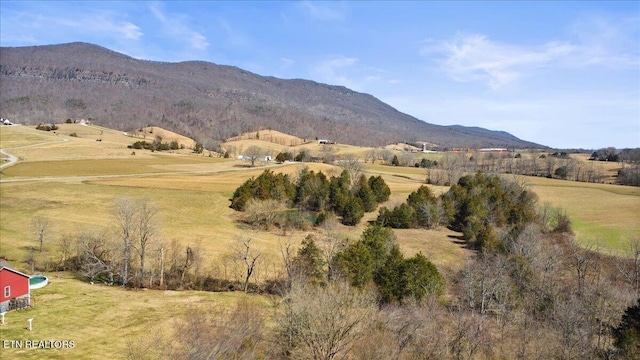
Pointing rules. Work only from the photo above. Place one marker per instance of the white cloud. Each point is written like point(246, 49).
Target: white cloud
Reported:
point(68, 27)
point(103, 23)
point(595, 41)
point(176, 26)
point(474, 57)
point(608, 42)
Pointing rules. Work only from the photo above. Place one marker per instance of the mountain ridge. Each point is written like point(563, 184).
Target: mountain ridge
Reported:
point(207, 101)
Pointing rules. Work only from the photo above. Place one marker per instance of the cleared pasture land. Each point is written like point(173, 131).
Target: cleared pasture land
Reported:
point(102, 320)
point(192, 193)
point(602, 214)
point(103, 167)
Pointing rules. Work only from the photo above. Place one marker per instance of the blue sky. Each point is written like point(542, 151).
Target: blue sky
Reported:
point(563, 74)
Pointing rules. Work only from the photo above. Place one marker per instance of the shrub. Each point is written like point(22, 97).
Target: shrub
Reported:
point(296, 219)
point(562, 223)
point(283, 156)
point(263, 213)
point(402, 216)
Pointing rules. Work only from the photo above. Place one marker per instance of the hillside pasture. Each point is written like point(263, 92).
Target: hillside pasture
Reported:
point(602, 214)
point(151, 132)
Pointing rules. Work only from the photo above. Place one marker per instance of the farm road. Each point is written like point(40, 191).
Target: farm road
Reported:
point(81, 178)
point(14, 159)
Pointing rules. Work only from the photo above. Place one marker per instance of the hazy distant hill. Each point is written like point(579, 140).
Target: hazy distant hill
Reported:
point(204, 100)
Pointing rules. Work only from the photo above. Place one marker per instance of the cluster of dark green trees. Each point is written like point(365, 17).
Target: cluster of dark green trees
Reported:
point(313, 192)
point(156, 145)
point(422, 209)
point(376, 258)
point(46, 127)
point(373, 260)
point(476, 206)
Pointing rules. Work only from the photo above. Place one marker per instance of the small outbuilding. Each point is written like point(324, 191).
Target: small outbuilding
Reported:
point(14, 289)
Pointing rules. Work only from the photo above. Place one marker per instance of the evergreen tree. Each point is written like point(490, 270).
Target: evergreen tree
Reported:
point(339, 192)
point(379, 240)
point(627, 334)
point(309, 261)
point(390, 278)
point(380, 188)
point(402, 216)
point(422, 277)
point(353, 212)
point(356, 263)
point(420, 197)
point(395, 161)
point(366, 196)
point(242, 195)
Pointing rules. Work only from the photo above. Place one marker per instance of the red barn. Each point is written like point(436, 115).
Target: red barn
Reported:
point(14, 289)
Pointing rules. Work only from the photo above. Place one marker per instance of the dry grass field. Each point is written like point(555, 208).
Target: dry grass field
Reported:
point(102, 320)
point(75, 181)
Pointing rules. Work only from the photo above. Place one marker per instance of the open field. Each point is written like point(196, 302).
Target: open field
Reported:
point(602, 214)
point(101, 320)
point(89, 175)
point(75, 182)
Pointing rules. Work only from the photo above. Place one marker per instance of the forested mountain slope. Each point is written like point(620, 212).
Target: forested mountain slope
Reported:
point(205, 101)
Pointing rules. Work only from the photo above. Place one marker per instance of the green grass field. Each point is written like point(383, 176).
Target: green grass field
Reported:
point(604, 215)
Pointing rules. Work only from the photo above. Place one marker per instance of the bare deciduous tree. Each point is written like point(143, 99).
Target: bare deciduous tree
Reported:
point(205, 333)
point(254, 153)
point(327, 152)
point(124, 216)
point(582, 260)
point(287, 253)
point(244, 252)
point(352, 164)
point(630, 268)
point(324, 322)
point(65, 243)
point(263, 213)
point(372, 155)
point(138, 223)
point(331, 243)
point(387, 156)
point(148, 226)
point(40, 226)
point(96, 254)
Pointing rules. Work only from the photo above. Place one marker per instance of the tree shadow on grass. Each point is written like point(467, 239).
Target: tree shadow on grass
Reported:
point(458, 240)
